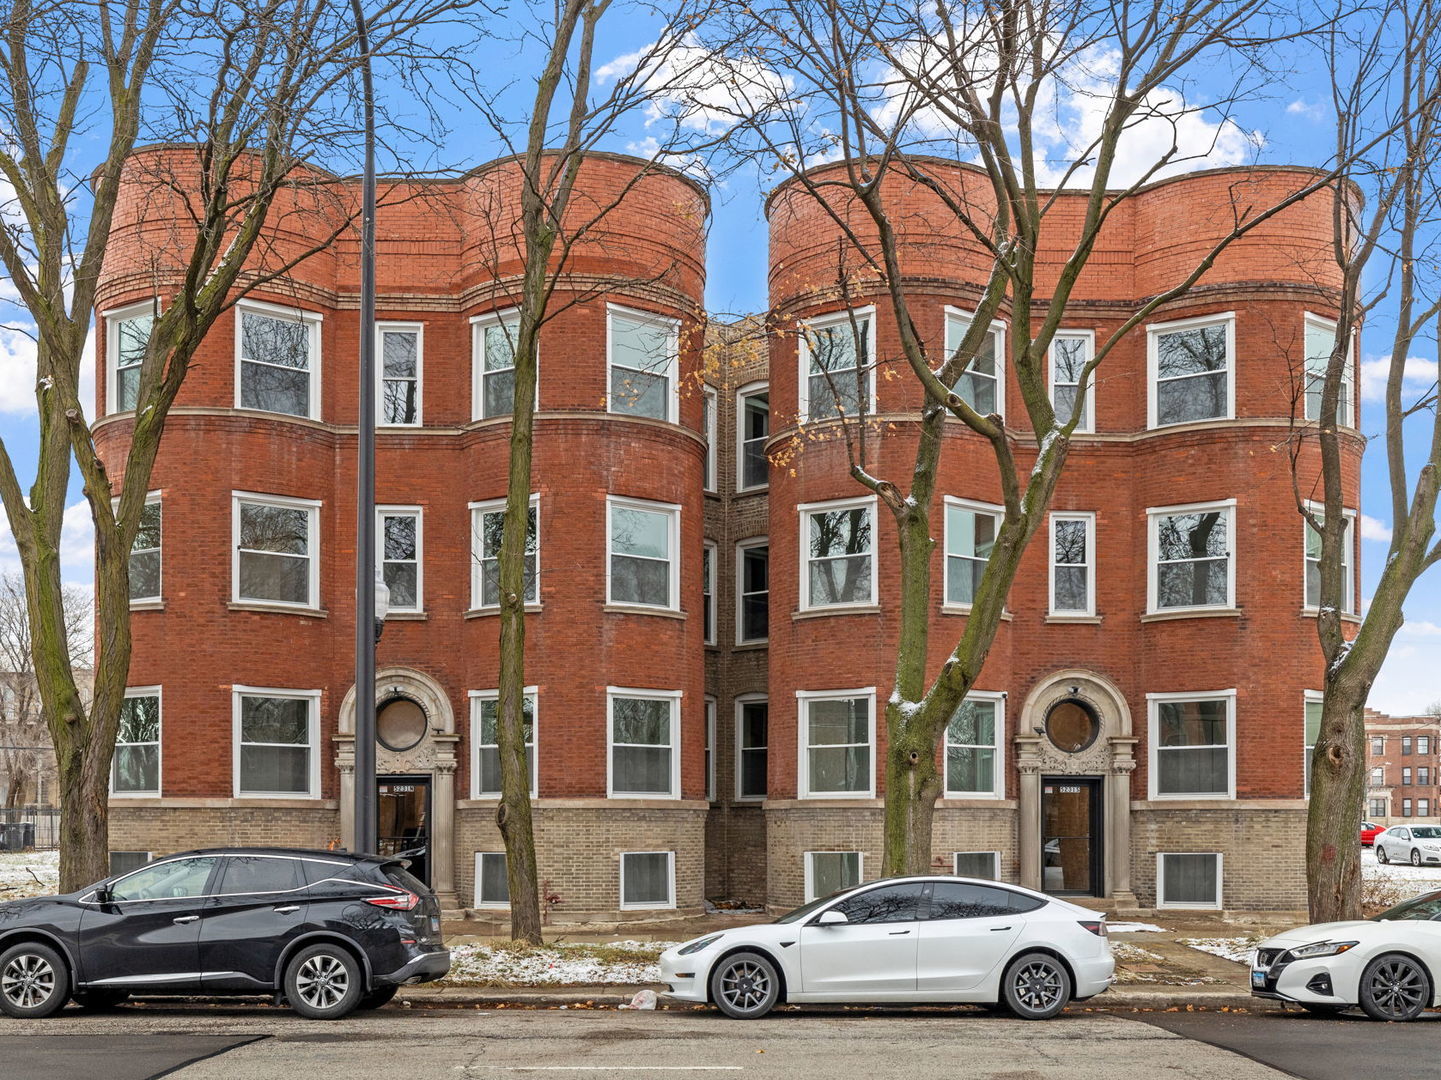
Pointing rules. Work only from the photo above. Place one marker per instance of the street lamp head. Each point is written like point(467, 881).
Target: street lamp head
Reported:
point(382, 594)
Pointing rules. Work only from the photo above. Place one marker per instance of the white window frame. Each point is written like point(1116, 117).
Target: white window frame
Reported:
point(478, 696)
point(803, 353)
point(1353, 536)
point(998, 776)
point(804, 698)
point(710, 748)
point(740, 701)
point(970, 506)
point(749, 390)
point(237, 692)
point(710, 557)
point(674, 698)
point(1089, 517)
point(670, 899)
point(742, 546)
point(478, 323)
point(1154, 330)
point(710, 401)
point(998, 335)
point(867, 503)
point(140, 692)
point(1153, 553)
point(113, 316)
point(1323, 322)
point(1161, 880)
point(995, 863)
point(151, 498)
point(1309, 697)
point(672, 372)
point(673, 510)
point(1089, 336)
point(417, 512)
point(478, 510)
point(1153, 725)
point(381, 329)
point(312, 506)
point(311, 320)
point(489, 905)
point(806, 858)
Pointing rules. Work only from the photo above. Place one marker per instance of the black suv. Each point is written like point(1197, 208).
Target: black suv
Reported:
point(329, 932)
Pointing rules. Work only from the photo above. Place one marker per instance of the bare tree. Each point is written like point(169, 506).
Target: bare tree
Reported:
point(245, 96)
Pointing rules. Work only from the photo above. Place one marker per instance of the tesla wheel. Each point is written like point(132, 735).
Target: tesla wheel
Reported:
point(378, 997)
point(323, 982)
point(100, 1000)
point(1415, 857)
point(1381, 855)
point(1394, 987)
point(34, 981)
point(1036, 986)
point(745, 986)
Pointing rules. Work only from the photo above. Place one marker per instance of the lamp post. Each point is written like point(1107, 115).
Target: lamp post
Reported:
point(365, 568)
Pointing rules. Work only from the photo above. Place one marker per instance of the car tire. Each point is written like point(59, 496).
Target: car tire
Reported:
point(745, 986)
point(1415, 857)
point(100, 1000)
point(377, 998)
point(1395, 987)
point(34, 981)
point(323, 982)
point(1036, 986)
point(1381, 855)
point(1322, 1010)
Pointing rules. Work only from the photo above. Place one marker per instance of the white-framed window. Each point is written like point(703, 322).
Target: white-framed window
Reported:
point(145, 551)
point(830, 871)
point(643, 743)
point(642, 540)
point(837, 364)
point(753, 428)
point(1073, 560)
point(1378, 745)
point(1405, 807)
point(276, 547)
point(400, 349)
point(710, 748)
point(1191, 369)
point(1314, 701)
point(975, 748)
point(492, 359)
point(127, 335)
point(485, 742)
point(277, 359)
point(1192, 560)
point(752, 753)
point(1378, 776)
point(1320, 341)
point(707, 589)
point(709, 425)
point(1406, 776)
point(1192, 743)
point(276, 743)
point(492, 880)
point(402, 538)
point(837, 743)
point(647, 879)
point(135, 768)
point(971, 529)
point(1378, 808)
point(1070, 352)
point(983, 383)
point(838, 553)
point(487, 519)
point(1312, 599)
point(643, 357)
point(753, 590)
point(1188, 879)
point(977, 864)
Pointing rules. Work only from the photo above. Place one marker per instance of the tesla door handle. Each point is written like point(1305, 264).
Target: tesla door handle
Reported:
point(287, 909)
point(188, 918)
point(998, 929)
point(898, 933)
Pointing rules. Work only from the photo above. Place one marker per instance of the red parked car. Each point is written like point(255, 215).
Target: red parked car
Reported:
point(1368, 833)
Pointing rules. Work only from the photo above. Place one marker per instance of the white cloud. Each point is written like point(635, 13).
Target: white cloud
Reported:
point(17, 369)
point(1418, 377)
point(1375, 529)
point(1306, 109)
point(1407, 682)
point(77, 546)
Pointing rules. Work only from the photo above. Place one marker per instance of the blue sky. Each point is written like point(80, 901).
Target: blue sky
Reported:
point(1284, 124)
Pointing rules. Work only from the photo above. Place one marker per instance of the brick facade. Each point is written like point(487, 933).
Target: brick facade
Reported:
point(1409, 780)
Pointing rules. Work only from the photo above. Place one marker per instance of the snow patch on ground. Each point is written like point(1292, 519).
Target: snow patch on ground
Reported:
point(19, 871)
point(1423, 878)
point(1127, 953)
point(1134, 928)
point(561, 964)
point(1238, 950)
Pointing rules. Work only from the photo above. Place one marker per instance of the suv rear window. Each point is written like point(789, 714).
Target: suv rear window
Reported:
point(258, 874)
point(402, 878)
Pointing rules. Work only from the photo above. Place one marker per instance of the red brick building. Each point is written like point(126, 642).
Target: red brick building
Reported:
point(1405, 774)
point(705, 715)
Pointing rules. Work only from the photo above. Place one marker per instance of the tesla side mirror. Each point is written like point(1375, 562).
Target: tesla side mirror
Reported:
point(831, 917)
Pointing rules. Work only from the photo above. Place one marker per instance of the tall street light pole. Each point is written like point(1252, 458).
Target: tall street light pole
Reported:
point(365, 625)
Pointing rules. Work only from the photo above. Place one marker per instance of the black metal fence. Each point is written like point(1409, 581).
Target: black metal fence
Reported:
point(30, 827)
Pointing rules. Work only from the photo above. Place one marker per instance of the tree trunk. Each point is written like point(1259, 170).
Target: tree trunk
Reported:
point(913, 783)
point(1338, 789)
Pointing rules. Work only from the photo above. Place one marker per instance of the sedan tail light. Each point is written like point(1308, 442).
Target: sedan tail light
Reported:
point(397, 901)
point(1098, 927)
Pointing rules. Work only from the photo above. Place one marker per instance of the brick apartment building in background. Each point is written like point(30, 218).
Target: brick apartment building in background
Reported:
point(714, 612)
point(1403, 781)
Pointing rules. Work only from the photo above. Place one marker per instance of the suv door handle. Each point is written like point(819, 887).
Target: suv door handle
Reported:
point(998, 929)
point(897, 933)
point(287, 909)
point(187, 919)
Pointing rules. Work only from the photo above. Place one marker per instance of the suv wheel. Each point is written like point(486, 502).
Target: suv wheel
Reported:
point(323, 982)
point(745, 986)
point(1036, 986)
point(34, 981)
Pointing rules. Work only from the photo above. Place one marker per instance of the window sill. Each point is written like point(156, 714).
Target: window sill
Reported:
point(156, 605)
point(965, 609)
point(407, 616)
point(835, 796)
point(1306, 613)
point(277, 609)
point(640, 609)
point(746, 646)
point(1083, 620)
point(480, 613)
point(759, 489)
point(836, 609)
point(1192, 613)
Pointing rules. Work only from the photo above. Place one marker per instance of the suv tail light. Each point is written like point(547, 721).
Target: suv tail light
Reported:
point(1098, 927)
point(401, 900)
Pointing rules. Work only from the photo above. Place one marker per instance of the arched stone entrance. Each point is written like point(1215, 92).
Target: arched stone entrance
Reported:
point(433, 754)
point(1067, 749)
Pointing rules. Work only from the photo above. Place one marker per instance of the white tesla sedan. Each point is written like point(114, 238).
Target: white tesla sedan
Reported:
point(1388, 964)
point(1416, 844)
point(904, 940)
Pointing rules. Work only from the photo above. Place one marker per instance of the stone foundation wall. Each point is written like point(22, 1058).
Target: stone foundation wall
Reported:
point(735, 838)
point(165, 826)
point(1263, 865)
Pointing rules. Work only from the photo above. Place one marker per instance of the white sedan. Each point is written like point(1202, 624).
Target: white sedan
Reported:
point(914, 939)
point(1416, 844)
point(1384, 964)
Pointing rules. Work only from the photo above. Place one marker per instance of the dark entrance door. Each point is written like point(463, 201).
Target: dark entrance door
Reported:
point(403, 805)
point(1071, 857)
